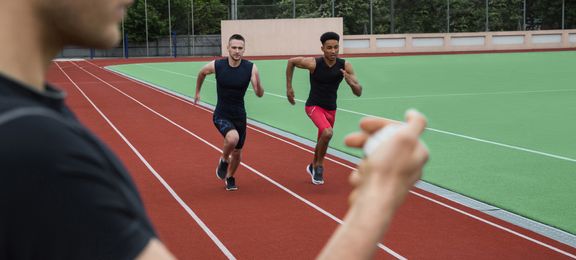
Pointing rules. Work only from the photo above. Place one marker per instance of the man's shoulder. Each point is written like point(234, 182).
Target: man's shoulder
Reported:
point(220, 62)
point(8, 103)
point(37, 132)
point(247, 63)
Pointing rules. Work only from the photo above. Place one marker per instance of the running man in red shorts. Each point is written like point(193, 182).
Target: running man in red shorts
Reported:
point(326, 73)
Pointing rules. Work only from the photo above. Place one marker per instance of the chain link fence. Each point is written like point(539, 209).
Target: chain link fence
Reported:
point(194, 25)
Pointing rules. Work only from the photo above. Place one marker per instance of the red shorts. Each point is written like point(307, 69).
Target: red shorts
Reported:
point(321, 117)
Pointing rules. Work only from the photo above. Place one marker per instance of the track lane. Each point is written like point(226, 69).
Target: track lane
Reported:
point(174, 226)
point(452, 240)
point(236, 218)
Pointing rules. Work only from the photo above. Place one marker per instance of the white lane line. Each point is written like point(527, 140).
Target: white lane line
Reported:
point(165, 92)
point(190, 212)
point(513, 147)
point(183, 99)
point(498, 226)
point(481, 140)
point(307, 202)
point(461, 94)
point(172, 72)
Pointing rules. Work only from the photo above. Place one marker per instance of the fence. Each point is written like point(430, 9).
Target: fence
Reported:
point(150, 23)
point(182, 45)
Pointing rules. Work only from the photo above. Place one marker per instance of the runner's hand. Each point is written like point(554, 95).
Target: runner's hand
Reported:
point(290, 96)
point(345, 74)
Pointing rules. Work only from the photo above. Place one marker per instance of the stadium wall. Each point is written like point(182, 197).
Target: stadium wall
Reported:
point(277, 37)
point(459, 42)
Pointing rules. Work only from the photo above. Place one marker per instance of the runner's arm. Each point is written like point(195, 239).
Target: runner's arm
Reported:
point(206, 70)
point(351, 79)
point(256, 84)
point(300, 62)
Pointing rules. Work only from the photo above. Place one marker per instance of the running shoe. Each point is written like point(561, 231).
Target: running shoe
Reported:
point(222, 169)
point(231, 184)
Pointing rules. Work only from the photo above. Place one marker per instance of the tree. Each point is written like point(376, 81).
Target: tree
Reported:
point(506, 15)
point(544, 14)
point(408, 16)
point(135, 23)
point(207, 17)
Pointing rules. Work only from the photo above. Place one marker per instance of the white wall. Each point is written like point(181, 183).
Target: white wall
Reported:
point(442, 42)
point(272, 37)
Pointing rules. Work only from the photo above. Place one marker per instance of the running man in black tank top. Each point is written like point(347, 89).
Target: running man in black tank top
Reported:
point(326, 73)
point(233, 74)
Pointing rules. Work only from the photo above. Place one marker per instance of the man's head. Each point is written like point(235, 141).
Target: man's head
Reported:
point(236, 47)
point(330, 45)
point(88, 23)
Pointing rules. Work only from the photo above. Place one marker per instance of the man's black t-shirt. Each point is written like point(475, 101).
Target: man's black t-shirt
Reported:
point(63, 194)
point(324, 83)
point(232, 83)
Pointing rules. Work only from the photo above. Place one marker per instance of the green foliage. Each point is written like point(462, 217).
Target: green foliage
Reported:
point(135, 23)
point(388, 16)
point(207, 17)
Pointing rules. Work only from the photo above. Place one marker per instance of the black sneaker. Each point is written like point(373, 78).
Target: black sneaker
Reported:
point(317, 177)
point(231, 183)
point(222, 169)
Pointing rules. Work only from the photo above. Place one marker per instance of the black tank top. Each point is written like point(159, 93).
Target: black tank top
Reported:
point(231, 86)
point(324, 83)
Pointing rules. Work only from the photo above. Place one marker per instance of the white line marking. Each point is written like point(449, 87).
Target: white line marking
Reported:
point(163, 91)
point(172, 72)
point(190, 102)
point(480, 140)
point(430, 129)
point(307, 202)
point(496, 226)
point(156, 174)
point(461, 94)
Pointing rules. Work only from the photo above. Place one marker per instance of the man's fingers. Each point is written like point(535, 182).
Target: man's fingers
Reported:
point(421, 154)
point(355, 178)
point(356, 140)
point(416, 122)
point(371, 125)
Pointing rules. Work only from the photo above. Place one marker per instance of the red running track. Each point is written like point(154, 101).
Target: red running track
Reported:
point(171, 149)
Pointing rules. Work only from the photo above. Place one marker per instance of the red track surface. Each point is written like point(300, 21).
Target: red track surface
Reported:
point(260, 220)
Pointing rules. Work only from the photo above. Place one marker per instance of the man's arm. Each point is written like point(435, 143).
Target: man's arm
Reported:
point(155, 250)
point(206, 70)
point(351, 79)
point(300, 62)
point(381, 183)
point(256, 84)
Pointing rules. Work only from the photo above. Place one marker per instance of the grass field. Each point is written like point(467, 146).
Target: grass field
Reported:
point(501, 126)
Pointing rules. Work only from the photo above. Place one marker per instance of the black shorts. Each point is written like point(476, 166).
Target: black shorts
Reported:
point(224, 125)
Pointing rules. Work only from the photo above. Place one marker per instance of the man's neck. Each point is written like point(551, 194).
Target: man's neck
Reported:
point(233, 62)
point(329, 62)
point(26, 52)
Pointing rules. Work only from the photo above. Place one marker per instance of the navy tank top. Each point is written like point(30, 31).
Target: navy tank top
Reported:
point(231, 86)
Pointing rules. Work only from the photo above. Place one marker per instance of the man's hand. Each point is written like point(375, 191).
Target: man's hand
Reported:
point(397, 160)
point(345, 74)
point(380, 183)
point(290, 95)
